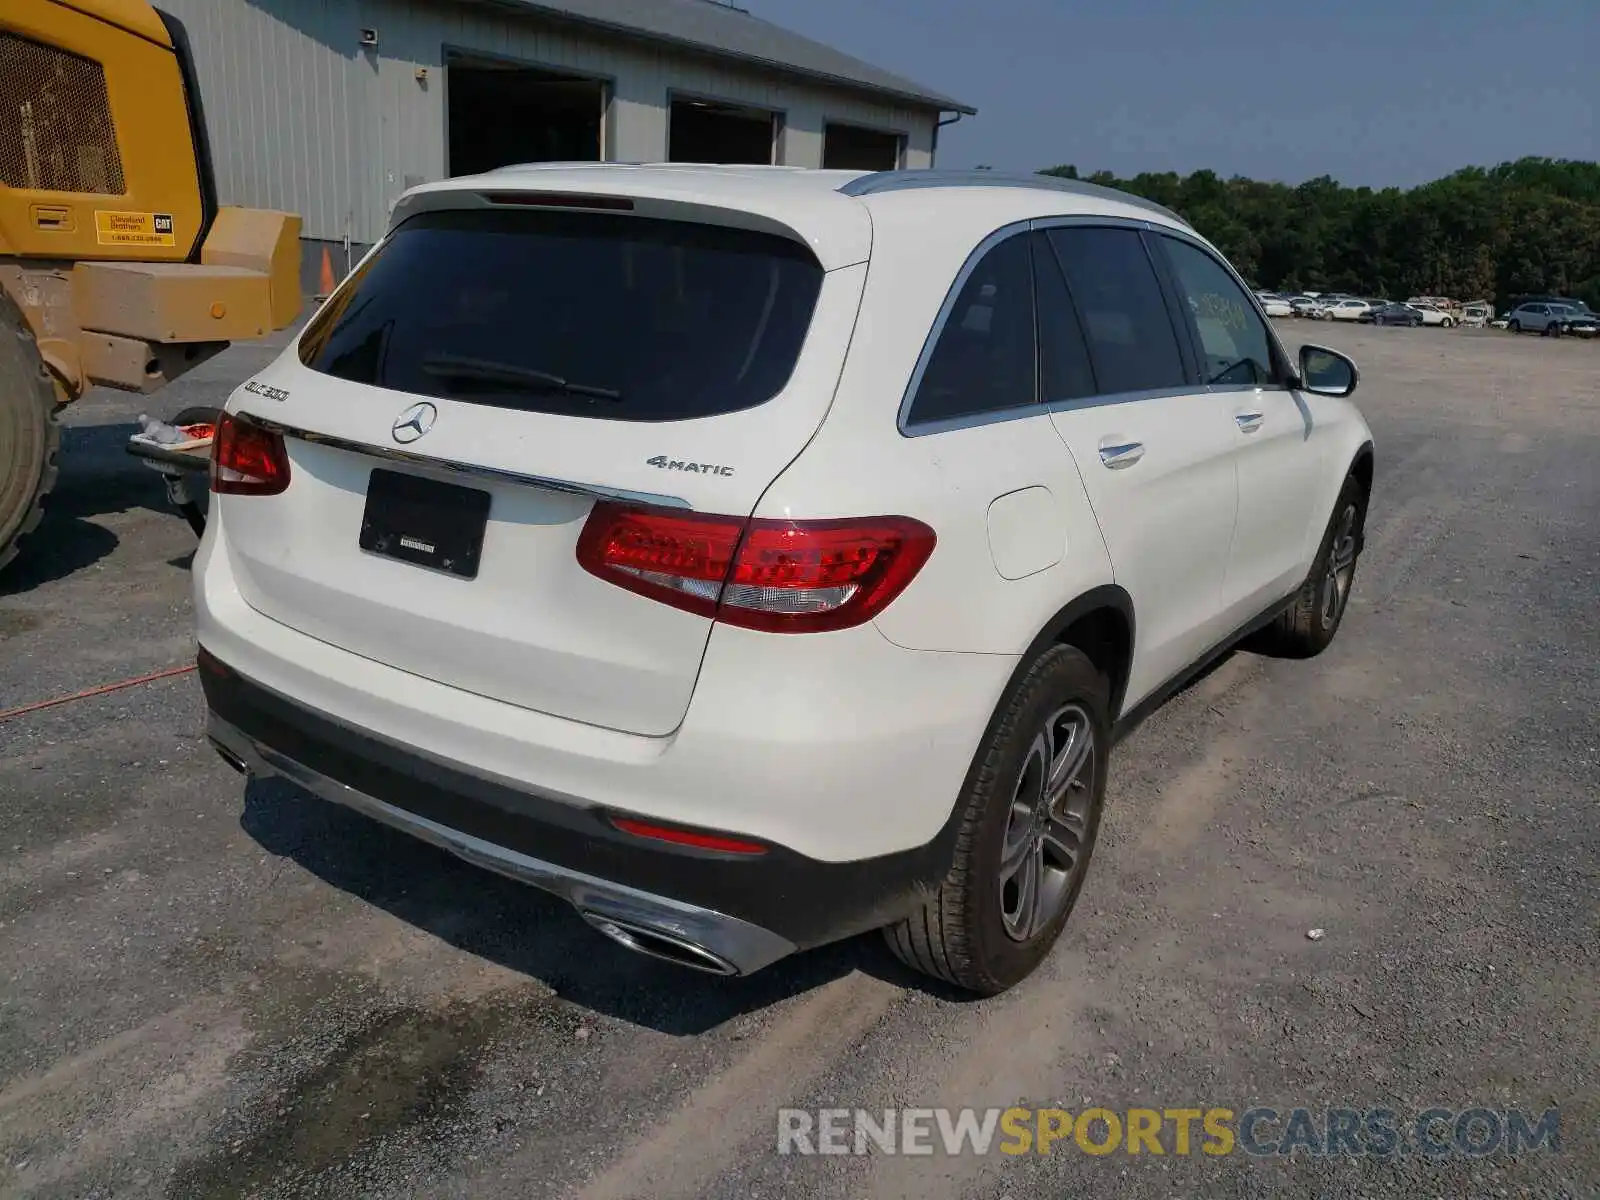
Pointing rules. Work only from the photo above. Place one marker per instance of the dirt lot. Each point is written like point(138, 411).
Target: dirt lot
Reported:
point(213, 989)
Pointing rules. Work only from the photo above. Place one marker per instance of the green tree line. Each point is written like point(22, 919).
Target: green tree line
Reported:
point(1530, 227)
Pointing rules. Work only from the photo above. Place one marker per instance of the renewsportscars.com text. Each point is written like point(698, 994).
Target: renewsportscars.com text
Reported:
point(1213, 1131)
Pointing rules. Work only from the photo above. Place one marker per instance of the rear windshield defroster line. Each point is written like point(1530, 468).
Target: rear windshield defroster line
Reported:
point(588, 314)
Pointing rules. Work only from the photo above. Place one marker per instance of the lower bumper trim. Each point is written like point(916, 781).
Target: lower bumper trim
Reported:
point(649, 924)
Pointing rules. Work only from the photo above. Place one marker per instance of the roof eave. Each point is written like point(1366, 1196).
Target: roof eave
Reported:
point(928, 100)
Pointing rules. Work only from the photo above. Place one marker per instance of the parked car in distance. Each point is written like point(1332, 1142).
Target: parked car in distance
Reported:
point(1276, 306)
point(1305, 306)
point(1581, 323)
point(1392, 314)
point(1549, 319)
point(1346, 310)
point(1476, 315)
point(1572, 302)
point(1432, 314)
point(666, 602)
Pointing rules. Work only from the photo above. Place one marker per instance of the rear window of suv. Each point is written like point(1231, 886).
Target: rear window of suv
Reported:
point(596, 315)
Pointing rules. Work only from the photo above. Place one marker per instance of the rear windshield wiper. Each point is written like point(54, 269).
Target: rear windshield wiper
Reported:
point(484, 370)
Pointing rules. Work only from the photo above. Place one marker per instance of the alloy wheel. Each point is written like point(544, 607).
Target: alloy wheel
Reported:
point(1341, 567)
point(1043, 855)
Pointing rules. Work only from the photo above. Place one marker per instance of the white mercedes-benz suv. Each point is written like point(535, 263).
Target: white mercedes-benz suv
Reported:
point(754, 556)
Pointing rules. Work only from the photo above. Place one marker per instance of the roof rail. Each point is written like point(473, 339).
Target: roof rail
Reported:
point(557, 165)
point(900, 181)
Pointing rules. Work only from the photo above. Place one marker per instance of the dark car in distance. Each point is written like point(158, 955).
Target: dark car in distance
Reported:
point(1392, 314)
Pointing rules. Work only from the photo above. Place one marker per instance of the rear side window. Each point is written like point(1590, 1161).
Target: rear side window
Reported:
point(984, 360)
point(594, 315)
point(1131, 340)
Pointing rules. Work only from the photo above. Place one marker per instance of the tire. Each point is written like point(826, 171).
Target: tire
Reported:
point(978, 931)
point(1446, 323)
point(197, 415)
point(1306, 627)
point(30, 439)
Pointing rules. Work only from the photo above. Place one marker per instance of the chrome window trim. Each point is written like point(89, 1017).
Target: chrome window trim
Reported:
point(1223, 388)
point(1112, 398)
point(973, 420)
point(493, 474)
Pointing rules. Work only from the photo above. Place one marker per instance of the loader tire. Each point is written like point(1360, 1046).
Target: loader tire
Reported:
point(29, 435)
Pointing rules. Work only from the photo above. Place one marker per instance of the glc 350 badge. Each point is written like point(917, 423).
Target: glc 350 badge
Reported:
point(678, 464)
point(261, 389)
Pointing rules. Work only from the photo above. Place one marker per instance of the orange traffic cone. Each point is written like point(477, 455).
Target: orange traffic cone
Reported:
point(325, 283)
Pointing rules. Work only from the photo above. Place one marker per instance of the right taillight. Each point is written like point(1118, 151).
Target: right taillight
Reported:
point(781, 576)
point(247, 459)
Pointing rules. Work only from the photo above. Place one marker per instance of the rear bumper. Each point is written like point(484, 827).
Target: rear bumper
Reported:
point(842, 753)
point(842, 746)
point(745, 911)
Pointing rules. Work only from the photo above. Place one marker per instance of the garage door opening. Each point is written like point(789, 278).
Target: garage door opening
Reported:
point(706, 132)
point(852, 148)
point(503, 113)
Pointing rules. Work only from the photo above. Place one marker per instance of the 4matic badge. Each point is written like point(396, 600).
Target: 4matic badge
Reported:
point(676, 464)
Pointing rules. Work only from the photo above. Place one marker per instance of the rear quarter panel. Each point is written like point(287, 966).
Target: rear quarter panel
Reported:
point(860, 464)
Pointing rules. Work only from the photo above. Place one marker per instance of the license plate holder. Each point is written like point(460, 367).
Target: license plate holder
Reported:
point(425, 522)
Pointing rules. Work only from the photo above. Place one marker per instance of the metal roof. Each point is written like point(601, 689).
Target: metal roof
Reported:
point(727, 32)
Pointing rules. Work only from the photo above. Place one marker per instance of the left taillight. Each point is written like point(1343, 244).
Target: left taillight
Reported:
point(775, 575)
point(247, 459)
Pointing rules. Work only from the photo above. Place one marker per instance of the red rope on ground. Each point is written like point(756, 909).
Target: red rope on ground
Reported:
point(7, 714)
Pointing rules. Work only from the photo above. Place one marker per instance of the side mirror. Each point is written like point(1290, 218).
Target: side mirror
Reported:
point(1327, 372)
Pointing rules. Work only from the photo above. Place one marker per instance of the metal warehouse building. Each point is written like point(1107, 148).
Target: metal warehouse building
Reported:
point(332, 108)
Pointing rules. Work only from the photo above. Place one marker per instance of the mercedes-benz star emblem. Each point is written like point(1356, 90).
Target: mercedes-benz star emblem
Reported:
point(414, 422)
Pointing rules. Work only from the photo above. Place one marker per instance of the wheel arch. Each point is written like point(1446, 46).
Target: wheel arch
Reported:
point(1362, 464)
point(1099, 622)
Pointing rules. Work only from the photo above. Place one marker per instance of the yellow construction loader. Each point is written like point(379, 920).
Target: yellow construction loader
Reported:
point(117, 265)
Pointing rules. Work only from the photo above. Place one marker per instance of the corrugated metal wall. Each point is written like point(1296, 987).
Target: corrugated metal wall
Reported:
point(284, 98)
point(303, 118)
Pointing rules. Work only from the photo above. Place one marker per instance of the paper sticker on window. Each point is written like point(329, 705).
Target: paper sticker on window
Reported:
point(1227, 312)
point(134, 229)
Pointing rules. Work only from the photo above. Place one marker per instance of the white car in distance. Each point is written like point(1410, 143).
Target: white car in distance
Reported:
point(1346, 310)
point(577, 534)
point(1276, 306)
point(1432, 314)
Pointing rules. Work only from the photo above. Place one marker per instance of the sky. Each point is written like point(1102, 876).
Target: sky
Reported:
point(1372, 92)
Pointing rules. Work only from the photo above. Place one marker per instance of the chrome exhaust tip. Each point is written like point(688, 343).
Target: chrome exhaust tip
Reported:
point(229, 757)
point(659, 943)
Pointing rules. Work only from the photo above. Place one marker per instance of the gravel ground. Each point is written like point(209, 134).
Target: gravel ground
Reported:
point(209, 988)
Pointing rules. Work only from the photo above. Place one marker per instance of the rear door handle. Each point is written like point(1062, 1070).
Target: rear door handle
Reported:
point(1121, 454)
point(1249, 422)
